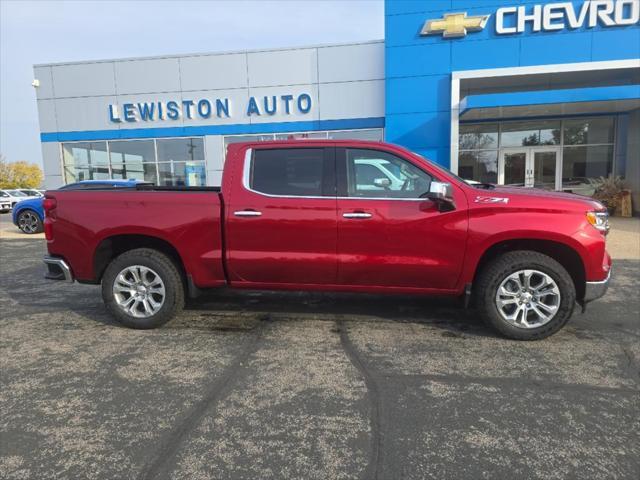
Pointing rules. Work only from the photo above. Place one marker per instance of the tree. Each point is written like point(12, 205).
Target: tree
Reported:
point(19, 174)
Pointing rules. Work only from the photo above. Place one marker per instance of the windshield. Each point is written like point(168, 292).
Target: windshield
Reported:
point(16, 193)
point(4, 194)
point(441, 168)
point(472, 183)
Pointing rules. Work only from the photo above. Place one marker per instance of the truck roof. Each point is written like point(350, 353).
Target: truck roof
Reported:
point(301, 141)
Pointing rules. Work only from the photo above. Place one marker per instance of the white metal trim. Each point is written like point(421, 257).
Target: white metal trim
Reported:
point(455, 124)
point(207, 54)
point(510, 71)
point(544, 69)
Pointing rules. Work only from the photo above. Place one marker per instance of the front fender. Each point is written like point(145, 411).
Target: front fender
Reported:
point(568, 230)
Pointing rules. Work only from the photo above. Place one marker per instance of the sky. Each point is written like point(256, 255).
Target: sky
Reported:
point(47, 31)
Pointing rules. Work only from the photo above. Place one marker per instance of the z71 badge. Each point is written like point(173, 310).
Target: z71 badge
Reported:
point(481, 199)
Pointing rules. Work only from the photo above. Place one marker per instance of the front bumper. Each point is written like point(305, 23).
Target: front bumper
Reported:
point(595, 290)
point(57, 269)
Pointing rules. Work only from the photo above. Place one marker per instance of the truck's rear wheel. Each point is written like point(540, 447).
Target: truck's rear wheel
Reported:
point(142, 288)
point(526, 295)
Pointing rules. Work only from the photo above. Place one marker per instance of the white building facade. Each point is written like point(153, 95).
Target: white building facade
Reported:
point(168, 119)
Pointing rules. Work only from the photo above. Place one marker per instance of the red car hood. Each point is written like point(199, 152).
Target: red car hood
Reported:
point(535, 197)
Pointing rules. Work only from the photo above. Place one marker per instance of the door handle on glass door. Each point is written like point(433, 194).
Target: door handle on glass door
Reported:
point(247, 213)
point(356, 215)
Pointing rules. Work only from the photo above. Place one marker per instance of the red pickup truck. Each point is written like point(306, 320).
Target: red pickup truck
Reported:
point(337, 216)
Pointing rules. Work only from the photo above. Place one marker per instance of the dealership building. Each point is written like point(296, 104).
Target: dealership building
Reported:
point(519, 92)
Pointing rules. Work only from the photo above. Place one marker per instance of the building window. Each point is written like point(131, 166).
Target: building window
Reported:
point(587, 154)
point(133, 159)
point(85, 161)
point(181, 162)
point(174, 161)
point(479, 137)
point(478, 158)
point(301, 136)
point(584, 146)
point(180, 150)
point(140, 171)
point(581, 166)
point(530, 134)
point(589, 131)
point(481, 166)
point(374, 134)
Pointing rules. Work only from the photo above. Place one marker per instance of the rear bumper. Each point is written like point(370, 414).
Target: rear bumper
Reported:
point(595, 290)
point(57, 269)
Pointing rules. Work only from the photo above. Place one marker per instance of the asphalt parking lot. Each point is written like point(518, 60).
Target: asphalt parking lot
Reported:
point(279, 386)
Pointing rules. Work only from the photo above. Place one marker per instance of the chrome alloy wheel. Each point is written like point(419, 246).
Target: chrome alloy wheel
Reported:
point(139, 291)
point(28, 222)
point(528, 299)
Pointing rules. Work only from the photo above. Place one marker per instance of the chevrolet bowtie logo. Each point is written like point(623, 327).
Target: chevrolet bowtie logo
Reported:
point(454, 25)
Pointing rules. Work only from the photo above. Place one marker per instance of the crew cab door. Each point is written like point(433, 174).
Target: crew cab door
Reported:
point(281, 225)
point(387, 235)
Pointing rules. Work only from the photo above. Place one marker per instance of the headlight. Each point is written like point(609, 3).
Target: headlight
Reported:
point(599, 220)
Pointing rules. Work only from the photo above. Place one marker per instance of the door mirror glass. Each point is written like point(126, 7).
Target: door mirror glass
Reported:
point(382, 182)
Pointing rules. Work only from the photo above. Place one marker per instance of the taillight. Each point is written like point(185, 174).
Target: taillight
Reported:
point(49, 204)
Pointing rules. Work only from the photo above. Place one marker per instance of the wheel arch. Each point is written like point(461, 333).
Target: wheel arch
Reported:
point(564, 254)
point(115, 245)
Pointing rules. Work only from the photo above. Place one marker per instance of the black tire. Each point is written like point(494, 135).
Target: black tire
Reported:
point(503, 266)
point(29, 222)
point(167, 271)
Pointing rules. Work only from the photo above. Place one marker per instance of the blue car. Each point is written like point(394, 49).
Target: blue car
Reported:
point(28, 215)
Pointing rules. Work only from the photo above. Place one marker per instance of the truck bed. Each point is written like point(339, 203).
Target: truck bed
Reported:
point(88, 223)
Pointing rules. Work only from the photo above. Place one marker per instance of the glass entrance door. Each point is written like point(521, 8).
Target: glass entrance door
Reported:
point(530, 167)
point(545, 171)
point(512, 168)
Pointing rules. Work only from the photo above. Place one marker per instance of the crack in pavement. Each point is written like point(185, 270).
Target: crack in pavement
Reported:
point(165, 457)
point(373, 470)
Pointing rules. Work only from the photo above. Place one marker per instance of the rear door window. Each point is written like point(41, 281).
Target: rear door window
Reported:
point(289, 171)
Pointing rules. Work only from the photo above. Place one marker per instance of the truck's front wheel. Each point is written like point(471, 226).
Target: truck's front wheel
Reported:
point(526, 295)
point(142, 288)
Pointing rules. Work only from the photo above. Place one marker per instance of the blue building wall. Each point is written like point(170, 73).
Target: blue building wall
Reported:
point(418, 68)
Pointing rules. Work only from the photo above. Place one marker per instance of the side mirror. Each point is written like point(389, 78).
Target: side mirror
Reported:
point(382, 182)
point(442, 194)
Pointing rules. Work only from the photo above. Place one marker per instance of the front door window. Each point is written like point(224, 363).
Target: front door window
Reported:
point(377, 174)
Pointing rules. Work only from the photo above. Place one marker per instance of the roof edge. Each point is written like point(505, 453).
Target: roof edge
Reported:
point(205, 54)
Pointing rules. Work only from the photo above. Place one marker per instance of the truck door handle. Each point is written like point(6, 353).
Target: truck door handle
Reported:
point(356, 215)
point(247, 213)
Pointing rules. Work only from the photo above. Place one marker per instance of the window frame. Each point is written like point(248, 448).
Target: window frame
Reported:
point(343, 177)
point(562, 146)
point(327, 183)
point(65, 166)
